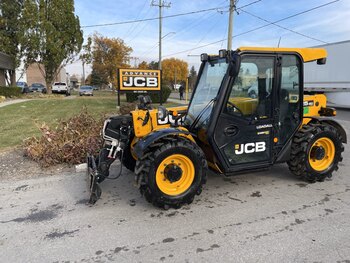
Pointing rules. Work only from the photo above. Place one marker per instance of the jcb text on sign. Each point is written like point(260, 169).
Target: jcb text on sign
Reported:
point(139, 79)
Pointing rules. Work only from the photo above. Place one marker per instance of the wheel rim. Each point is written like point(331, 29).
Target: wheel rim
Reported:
point(175, 174)
point(321, 154)
point(132, 145)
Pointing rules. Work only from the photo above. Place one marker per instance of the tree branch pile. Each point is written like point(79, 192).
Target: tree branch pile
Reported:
point(69, 142)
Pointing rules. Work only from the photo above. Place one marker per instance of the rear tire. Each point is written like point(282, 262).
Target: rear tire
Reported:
point(161, 182)
point(316, 152)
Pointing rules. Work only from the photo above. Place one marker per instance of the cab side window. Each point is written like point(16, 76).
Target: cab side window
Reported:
point(251, 93)
point(289, 96)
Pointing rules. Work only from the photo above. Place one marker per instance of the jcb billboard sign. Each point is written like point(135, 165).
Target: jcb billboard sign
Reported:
point(139, 79)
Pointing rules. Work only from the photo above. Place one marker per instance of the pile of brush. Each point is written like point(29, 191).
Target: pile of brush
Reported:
point(69, 142)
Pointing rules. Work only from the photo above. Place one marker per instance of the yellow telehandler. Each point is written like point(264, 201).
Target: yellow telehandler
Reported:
point(248, 111)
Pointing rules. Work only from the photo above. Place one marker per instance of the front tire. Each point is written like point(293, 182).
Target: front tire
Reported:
point(128, 160)
point(316, 152)
point(172, 174)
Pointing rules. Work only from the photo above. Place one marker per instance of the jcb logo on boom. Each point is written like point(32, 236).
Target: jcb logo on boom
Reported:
point(252, 147)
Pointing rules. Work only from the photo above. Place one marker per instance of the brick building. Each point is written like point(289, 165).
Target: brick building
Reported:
point(34, 75)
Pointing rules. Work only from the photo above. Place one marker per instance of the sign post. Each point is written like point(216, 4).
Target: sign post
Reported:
point(186, 96)
point(118, 96)
point(161, 95)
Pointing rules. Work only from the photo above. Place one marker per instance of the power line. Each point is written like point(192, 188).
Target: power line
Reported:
point(190, 25)
point(134, 26)
point(200, 20)
point(207, 32)
point(197, 22)
point(157, 44)
point(140, 29)
point(154, 18)
point(257, 28)
point(285, 28)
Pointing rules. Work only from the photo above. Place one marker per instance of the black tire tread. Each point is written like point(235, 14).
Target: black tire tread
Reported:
point(143, 166)
point(128, 160)
point(299, 152)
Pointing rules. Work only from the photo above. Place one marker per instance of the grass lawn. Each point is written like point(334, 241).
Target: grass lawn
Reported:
point(20, 121)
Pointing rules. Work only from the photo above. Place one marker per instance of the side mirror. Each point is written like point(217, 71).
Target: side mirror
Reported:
point(204, 57)
point(144, 102)
point(321, 61)
point(162, 113)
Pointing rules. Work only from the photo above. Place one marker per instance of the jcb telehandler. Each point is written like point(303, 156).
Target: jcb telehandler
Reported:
point(247, 112)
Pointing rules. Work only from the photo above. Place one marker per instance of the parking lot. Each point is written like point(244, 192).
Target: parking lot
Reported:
point(269, 216)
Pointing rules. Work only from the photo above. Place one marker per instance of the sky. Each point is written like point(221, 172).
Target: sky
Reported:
point(183, 35)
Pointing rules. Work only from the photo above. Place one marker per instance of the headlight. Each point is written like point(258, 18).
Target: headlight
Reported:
point(162, 112)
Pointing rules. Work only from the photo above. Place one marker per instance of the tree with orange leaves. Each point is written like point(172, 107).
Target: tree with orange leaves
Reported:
point(108, 55)
point(143, 65)
point(173, 68)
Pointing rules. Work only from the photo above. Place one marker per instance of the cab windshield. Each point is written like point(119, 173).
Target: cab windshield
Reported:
point(206, 91)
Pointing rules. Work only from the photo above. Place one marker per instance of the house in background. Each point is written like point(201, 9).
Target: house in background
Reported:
point(34, 75)
point(7, 70)
point(75, 81)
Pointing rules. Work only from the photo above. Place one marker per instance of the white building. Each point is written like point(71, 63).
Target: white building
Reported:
point(333, 78)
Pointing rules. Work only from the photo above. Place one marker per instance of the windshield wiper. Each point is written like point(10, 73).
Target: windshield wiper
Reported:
point(196, 120)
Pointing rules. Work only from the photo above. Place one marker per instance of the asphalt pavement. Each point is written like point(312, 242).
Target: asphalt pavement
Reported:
point(269, 216)
point(16, 101)
point(343, 114)
point(10, 102)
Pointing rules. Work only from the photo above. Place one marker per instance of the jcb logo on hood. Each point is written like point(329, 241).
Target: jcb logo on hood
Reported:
point(252, 147)
point(169, 120)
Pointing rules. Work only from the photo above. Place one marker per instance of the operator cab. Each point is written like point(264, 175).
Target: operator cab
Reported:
point(247, 105)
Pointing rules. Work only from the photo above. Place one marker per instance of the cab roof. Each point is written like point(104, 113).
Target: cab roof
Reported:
point(308, 54)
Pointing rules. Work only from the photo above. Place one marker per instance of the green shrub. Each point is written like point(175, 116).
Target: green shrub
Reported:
point(155, 96)
point(10, 92)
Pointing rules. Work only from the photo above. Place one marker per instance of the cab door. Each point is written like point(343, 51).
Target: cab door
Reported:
point(243, 133)
point(290, 97)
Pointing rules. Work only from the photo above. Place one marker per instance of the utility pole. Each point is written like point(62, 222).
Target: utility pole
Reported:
point(135, 60)
point(230, 23)
point(83, 79)
point(161, 4)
